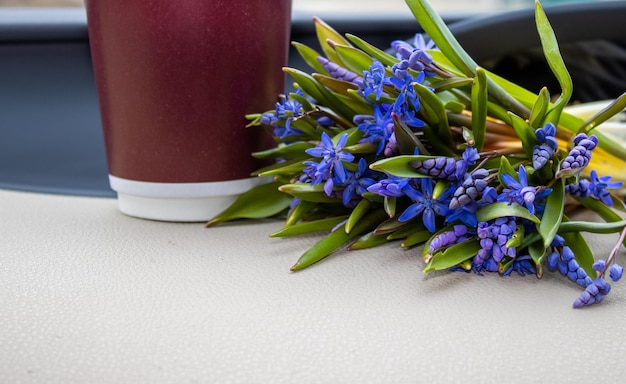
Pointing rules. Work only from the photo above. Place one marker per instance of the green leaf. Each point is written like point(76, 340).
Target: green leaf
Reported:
point(298, 212)
point(354, 59)
point(264, 200)
point(309, 227)
point(506, 169)
point(316, 90)
point(405, 138)
point(339, 86)
point(369, 240)
point(453, 255)
point(594, 205)
point(389, 204)
point(287, 151)
point(451, 83)
point(357, 214)
point(309, 85)
point(406, 231)
point(592, 226)
point(495, 210)
point(338, 238)
point(309, 55)
point(325, 33)
point(308, 192)
point(416, 238)
point(438, 118)
point(288, 167)
point(555, 62)
point(283, 169)
point(436, 28)
point(390, 225)
point(378, 54)
point(615, 107)
point(553, 214)
point(525, 133)
point(479, 108)
point(400, 165)
point(537, 252)
point(538, 112)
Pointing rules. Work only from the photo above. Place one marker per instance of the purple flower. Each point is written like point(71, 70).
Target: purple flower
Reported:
point(425, 204)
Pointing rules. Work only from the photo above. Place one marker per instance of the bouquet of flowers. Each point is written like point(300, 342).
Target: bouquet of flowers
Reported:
point(420, 145)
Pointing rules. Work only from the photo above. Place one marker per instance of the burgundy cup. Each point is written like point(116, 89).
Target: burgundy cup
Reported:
point(175, 80)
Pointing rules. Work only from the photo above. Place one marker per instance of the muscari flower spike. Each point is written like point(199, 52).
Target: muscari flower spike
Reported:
point(547, 145)
point(578, 158)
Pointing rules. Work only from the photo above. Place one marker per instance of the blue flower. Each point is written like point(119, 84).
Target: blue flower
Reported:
point(374, 80)
point(405, 112)
point(287, 109)
point(330, 169)
point(519, 192)
point(357, 182)
point(425, 204)
point(378, 128)
point(580, 189)
point(466, 214)
point(598, 187)
point(523, 265)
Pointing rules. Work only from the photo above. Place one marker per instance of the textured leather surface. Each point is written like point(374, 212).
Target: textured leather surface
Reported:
point(89, 295)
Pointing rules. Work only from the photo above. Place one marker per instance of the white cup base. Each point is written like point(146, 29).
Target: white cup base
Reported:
point(181, 202)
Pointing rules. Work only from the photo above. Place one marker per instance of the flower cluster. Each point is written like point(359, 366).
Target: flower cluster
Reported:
point(422, 147)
